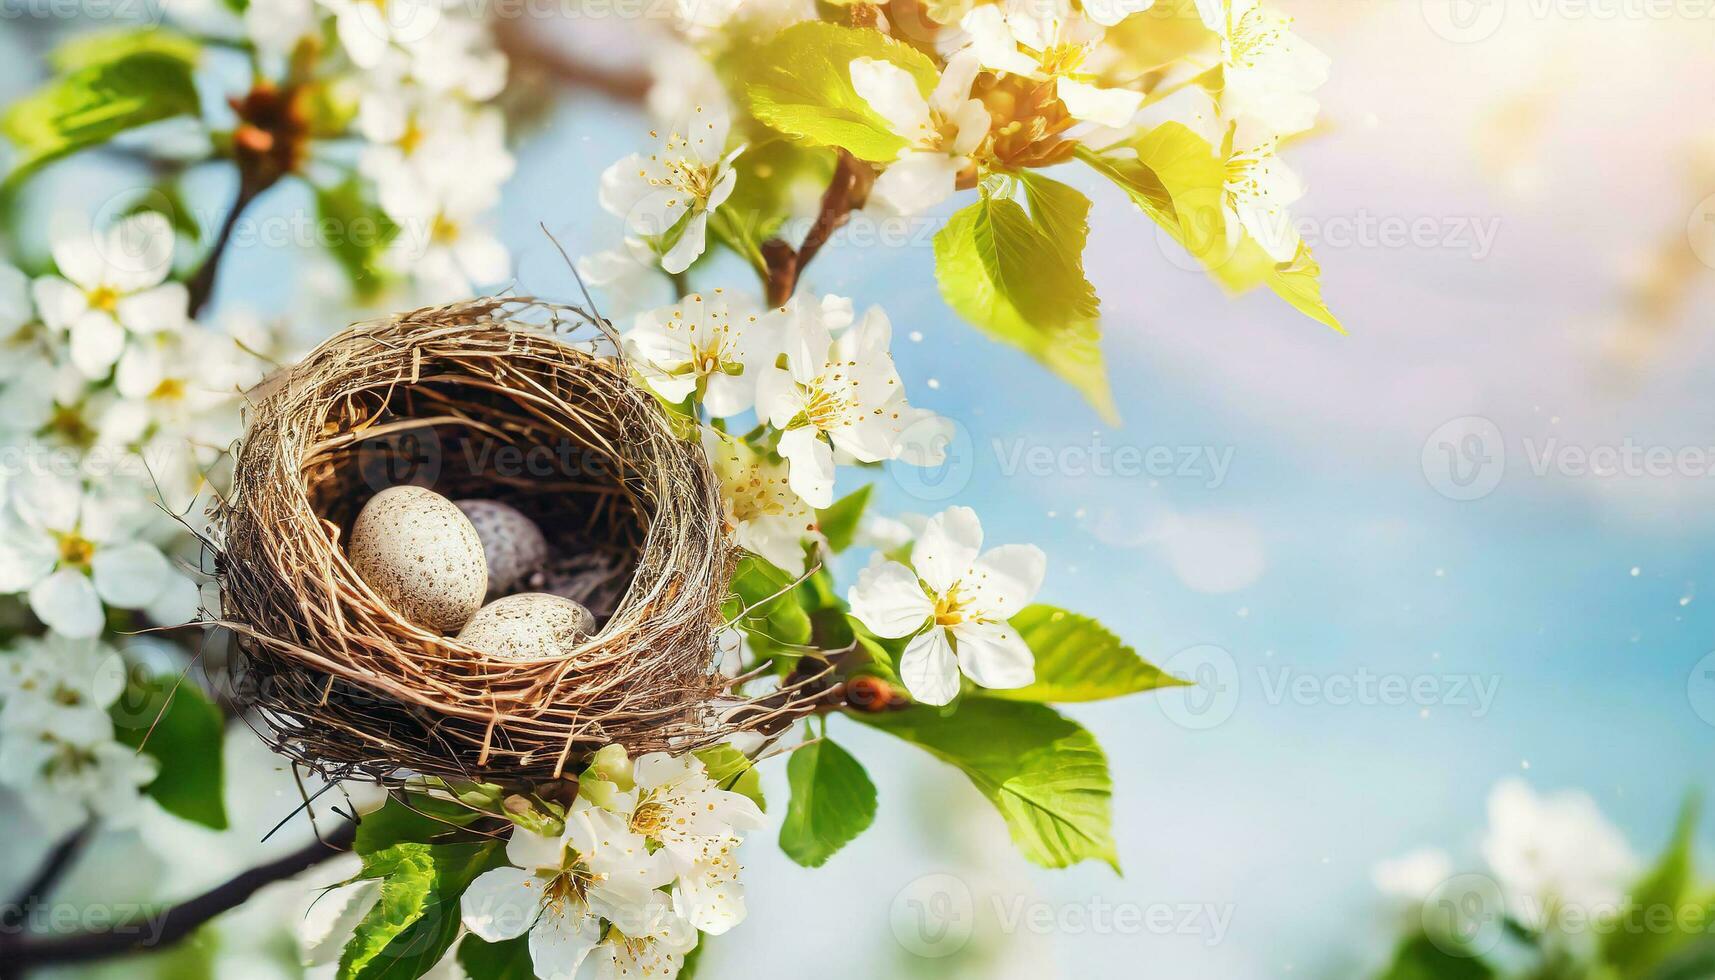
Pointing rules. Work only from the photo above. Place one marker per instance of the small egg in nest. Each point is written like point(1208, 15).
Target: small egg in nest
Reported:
point(528, 626)
point(514, 546)
point(422, 555)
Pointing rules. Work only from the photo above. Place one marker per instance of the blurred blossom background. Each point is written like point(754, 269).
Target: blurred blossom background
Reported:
point(1465, 543)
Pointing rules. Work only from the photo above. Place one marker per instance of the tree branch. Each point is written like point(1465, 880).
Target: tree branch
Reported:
point(847, 190)
point(21, 950)
point(201, 286)
point(54, 866)
point(524, 52)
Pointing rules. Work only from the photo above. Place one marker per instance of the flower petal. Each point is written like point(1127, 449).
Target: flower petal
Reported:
point(810, 465)
point(1111, 107)
point(96, 343)
point(892, 92)
point(929, 668)
point(138, 252)
point(1007, 578)
point(915, 183)
point(157, 310)
point(948, 547)
point(527, 849)
point(501, 904)
point(994, 655)
point(689, 246)
point(25, 558)
point(59, 302)
point(67, 602)
point(889, 600)
point(561, 940)
point(130, 576)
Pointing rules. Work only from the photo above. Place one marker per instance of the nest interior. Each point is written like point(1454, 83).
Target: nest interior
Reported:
point(501, 399)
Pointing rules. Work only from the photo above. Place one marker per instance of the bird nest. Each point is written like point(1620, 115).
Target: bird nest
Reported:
point(506, 399)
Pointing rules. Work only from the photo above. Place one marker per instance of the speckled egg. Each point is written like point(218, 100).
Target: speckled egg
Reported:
point(528, 626)
point(420, 552)
point(512, 543)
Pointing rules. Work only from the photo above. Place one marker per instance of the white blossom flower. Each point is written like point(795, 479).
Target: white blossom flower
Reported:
point(941, 132)
point(1047, 39)
point(560, 889)
point(61, 686)
point(667, 196)
point(110, 287)
point(276, 26)
point(457, 59)
point(629, 277)
point(1268, 71)
point(445, 244)
point(368, 29)
point(954, 605)
point(1554, 852)
point(654, 948)
point(672, 801)
point(1412, 877)
point(1259, 190)
point(712, 348)
point(64, 784)
point(833, 394)
point(764, 515)
point(71, 551)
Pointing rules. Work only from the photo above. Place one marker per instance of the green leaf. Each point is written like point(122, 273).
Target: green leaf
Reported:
point(97, 101)
point(1019, 278)
point(1419, 958)
point(1077, 659)
point(358, 231)
point(416, 819)
point(417, 917)
point(1633, 952)
point(733, 771)
point(170, 719)
point(833, 802)
point(763, 594)
point(799, 82)
point(103, 47)
point(509, 960)
point(1044, 772)
point(1178, 179)
point(773, 174)
point(839, 522)
point(693, 960)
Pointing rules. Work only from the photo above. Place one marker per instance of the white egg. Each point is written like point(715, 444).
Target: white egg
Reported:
point(528, 626)
point(422, 555)
point(512, 543)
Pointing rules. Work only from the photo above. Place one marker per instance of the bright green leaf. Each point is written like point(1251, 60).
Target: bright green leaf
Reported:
point(170, 719)
point(833, 802)
point(839, 523)
point(416, 819)
point(104, 47)
point(733, 771)
point(509, 960)
point(763, 599)
point(417, 917)
point(772, 175)
point(1419, 958)
point(1019, 277)
point(357, 233)
point(94, 103)
point(1044, 772)
point(1077, 659)
point(799, 82)
point(1633, 952)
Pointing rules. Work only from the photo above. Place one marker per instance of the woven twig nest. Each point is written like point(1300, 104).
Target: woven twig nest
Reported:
point(502, 399)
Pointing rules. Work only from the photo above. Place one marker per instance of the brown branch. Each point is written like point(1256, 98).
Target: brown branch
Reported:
point(21, 950)
point(54, 866)
point(201, 286)
point(847, 190)
point(525, 53)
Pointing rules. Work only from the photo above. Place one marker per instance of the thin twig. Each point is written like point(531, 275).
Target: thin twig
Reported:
point(20, 950)
point(54, 866)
